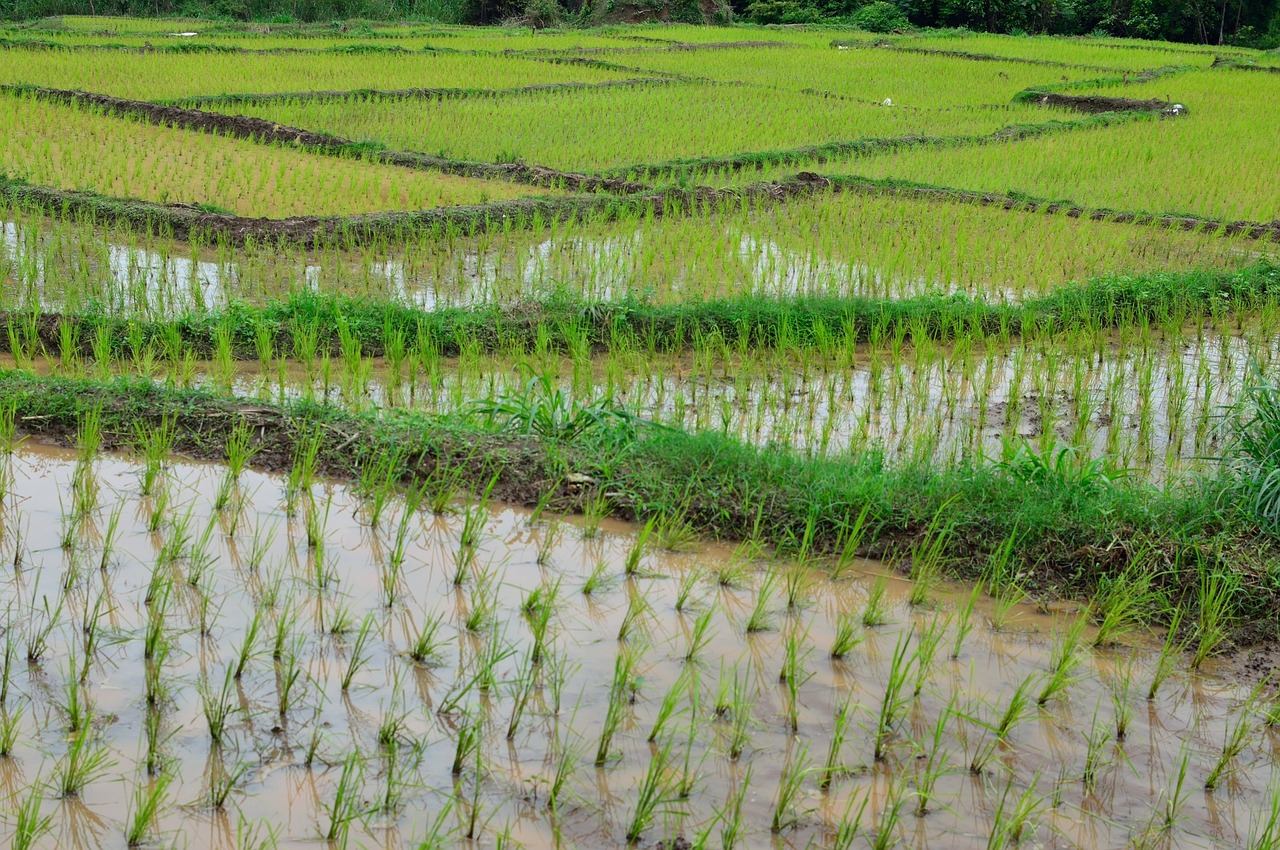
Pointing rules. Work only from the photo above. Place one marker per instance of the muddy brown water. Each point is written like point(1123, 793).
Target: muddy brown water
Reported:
point(278, 799)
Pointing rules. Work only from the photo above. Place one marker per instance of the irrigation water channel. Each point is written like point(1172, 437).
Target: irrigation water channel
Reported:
point(1080, 785)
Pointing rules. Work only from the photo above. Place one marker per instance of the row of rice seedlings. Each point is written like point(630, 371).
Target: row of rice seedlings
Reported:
point(163, 75)
point(1152, 400)
point(342, 667)
point(72, 148)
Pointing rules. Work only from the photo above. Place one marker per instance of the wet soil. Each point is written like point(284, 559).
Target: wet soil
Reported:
point(1098, 104)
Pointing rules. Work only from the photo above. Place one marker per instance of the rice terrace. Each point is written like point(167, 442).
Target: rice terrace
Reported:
point(660, 425)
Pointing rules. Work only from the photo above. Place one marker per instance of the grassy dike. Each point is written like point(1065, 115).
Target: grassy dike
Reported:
point(564, 323)
point(1136, 551)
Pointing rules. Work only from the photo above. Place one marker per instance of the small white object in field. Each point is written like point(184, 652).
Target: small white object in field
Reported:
point(887, 102)
point(184, 34)
point(1177, 109)
point(842, 47)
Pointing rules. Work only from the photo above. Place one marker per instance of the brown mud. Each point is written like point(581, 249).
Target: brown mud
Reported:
point(1097, 104)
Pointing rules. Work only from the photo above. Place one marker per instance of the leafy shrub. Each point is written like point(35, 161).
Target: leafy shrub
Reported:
point(782, 12)
point(544, 13)
point(686, 12)
point(879, 17)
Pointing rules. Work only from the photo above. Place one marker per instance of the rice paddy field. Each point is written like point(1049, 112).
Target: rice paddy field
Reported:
point(652, 436)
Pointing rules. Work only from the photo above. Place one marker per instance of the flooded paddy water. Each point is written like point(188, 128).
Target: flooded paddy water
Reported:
point(842, 245)
point(358, 669)
point(1151, 400)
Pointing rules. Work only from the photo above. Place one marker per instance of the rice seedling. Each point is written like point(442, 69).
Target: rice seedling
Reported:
point(149, 799)
point(928, 557)
point(786, 812)
point(567, 758)
point(218, 707)
point(795, 672)
point(964, 622)
point(688, 581)
point(1235, 740)
point(886, 834)
point(358, 654)
point(346, 806)
point(10, 727)
point(1063, 660)
point(30, 826)
point(700, 636)
point(6, 663)
point(636, 617)
point(620, 693)
point(732, 828)
point(1175, 798)
point(290, 679)
point(1014, 816)
point(40, 627)
point(1121, 603)
point(1015, 710)
point(850, 542)
point(1170, 651)
point(594, 510)
point(895, 701)
point(154, 443)
point(654, 794)
point(928, 639)
point(547, 543)
point(874, 610)
point(631, 565)
point(1002, 583)
point(760, 619)
point(1121, 706)
point(850, 826)
point(248, 644)
point(935, 763)
point(839, 730)
point(85, 761)
point(732, 573)
point(1096, 739)
point(468, 741)
point(1264, 831)
point(1217, 592)
point(847, 636)
point(9, 439)
point(426, 643)
point(522, 690)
